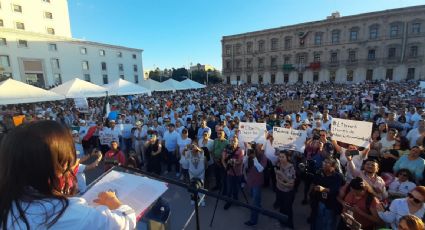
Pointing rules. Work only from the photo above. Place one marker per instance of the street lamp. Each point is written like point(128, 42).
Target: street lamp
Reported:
point(208, 71)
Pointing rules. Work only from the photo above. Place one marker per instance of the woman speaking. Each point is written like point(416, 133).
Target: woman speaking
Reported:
point(37, 182)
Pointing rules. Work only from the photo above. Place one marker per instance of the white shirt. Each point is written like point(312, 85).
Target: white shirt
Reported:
point(413, 135)
point(401, 187)
point(81, 178)
point(399, 208)
point(78, 215)
point(170, 140)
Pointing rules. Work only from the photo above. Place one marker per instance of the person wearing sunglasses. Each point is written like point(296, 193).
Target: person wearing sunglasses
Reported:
point(413, 205)
point(402, 184)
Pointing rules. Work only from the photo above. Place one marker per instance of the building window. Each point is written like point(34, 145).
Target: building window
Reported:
point(274, 44)
point(354, 34)
point(238, 78)
point(48, 15)
point(261, 46)
point(371, 54)
point(394, 30)
point(1, 23)
point(335, 36)
point(4, 61)
point(102, 52)
point(315, 77)
point(373, 32)
point(248, 79)
point(416, 28)
point(3, 42)
point(318, 39)
point(103, 65)
point(260, 62)
point(410, 73)
point(58, 78)
point(248, 47)
point(352, 56)
point(238, 63)
point(85, 65)
point(332, 76)
point(55, 63)
point(350, 75)
point(228, 50)
point(22, 43)
point(286, 78)
point(135, 68)
point(51, 31)
point(301, 59)
point(316, 57)
point(413, 51)
point(334, 57)
point(228, 79)
point(288, 43)
point(17, 8)
point(134, 56)
point(369, 75)
point(238, 49)
point(287, 60)
point(248, 63)
point(53, 47)
point(87, 77)
point(300, 77)
point(136, 79)
point(119, 54)
point(228, 65)
point(260, 79)
point(105, 78)
point(273, 78)
point(389, 74)
point(120, 67)
point(83, 50)
point(122, 76)
point(391, 52)
point(20, 26)
point(273, 61)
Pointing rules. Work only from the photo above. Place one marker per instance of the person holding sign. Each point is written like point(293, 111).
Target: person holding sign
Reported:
point(40, 175)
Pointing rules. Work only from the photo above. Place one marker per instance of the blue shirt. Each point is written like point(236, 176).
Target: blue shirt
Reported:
point(416, 167)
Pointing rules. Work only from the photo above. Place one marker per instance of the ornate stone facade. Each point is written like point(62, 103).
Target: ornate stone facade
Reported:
point(380, 45)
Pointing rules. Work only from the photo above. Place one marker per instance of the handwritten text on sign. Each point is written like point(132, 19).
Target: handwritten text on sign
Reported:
point(351, 132)
point(252, 132)
point(291, 139)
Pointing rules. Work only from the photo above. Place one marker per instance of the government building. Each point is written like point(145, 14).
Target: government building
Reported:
point(385, 45)
point(36, 47)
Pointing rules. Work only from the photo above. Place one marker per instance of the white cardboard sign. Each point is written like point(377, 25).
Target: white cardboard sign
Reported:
point(290, 139)
point(252, 132)
point(351, 132)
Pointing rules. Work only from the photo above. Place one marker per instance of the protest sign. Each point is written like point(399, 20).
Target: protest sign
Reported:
point(292, 105)
point(291, 139)
point(82, 104)
point(351, 132)
point(252, 132)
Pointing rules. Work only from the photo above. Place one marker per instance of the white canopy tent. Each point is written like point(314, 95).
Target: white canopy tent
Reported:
point(152, 85)
point(173, 85)
point(123, 87)
point(193, 84)
point(16, 92)
point(77, 88)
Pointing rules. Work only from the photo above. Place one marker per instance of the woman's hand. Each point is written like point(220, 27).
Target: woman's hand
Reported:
point(109, 199)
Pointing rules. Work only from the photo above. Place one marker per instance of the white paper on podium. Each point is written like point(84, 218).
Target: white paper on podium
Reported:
point(136, 191)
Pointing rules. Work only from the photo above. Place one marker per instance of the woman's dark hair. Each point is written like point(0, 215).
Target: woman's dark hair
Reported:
point(36, 162)
point(407, 172)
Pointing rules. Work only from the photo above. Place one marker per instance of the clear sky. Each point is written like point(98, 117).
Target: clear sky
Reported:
point(174, 33)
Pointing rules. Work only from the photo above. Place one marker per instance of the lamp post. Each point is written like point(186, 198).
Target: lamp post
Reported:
point(208, 71)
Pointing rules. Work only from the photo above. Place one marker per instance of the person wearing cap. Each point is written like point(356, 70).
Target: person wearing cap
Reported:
point(153, 149)
point(78, 147)
point(139, 137)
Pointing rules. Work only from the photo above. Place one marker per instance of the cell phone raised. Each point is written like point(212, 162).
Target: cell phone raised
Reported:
point(353, 152)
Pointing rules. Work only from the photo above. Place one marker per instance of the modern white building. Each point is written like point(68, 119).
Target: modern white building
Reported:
point(36, 47)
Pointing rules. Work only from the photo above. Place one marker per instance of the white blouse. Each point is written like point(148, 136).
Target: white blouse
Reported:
point(78, 215)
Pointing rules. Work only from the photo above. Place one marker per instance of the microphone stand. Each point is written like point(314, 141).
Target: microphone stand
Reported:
point(195, 190)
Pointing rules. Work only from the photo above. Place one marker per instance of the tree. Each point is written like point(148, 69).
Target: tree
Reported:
point(179, 74)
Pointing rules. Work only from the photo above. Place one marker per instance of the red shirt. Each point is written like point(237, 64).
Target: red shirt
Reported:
point(253, 177)
point(361, 204)
point(119, 156)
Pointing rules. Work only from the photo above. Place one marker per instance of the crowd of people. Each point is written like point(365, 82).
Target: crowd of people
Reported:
point(195, 135)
